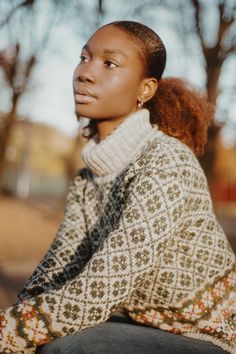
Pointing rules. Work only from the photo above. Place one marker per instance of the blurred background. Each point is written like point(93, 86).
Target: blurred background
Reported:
point(40, 142)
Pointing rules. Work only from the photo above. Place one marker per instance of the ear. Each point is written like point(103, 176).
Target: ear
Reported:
point(148, 88)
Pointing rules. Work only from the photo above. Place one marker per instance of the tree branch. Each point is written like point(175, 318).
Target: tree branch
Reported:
point(225, 23)
point(100, 8)
point(197, 9)
point(24, 3)
point(231, 49)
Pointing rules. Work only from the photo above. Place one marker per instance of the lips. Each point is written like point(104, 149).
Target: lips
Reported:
point(84, 96)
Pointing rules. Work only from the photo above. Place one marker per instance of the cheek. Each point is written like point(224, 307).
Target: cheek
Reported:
point(125, 85)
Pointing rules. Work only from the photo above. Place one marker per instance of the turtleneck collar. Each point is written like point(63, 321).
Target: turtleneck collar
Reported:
point(111, 155)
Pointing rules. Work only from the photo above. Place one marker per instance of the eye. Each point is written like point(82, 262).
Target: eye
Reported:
point(83, 59)
point(110, 64)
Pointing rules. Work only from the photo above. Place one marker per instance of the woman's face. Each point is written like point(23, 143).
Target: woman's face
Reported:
point(107, 80)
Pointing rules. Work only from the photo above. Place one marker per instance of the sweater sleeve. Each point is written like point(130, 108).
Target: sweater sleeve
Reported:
point(153, 206)
point(69, 250)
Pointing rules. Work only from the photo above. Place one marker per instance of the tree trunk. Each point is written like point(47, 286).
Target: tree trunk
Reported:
point(207, 160)
point(212, 84)
point(5, 134)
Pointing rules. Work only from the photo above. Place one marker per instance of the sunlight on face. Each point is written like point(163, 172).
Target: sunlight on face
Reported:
point(107, 80)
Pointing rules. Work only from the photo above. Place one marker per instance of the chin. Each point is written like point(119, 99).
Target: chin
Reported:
point(88, 113)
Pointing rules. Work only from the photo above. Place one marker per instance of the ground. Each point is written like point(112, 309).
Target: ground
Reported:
point(26, 230)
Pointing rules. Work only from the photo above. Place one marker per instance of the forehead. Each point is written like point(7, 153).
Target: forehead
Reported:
point(112, 38)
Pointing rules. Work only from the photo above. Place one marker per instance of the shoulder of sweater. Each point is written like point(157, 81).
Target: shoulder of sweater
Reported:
point(164, 150)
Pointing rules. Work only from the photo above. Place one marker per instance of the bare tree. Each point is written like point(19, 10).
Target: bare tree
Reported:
point(16, 76)
point(214, 57)
point(225, 43)
point(26, 41)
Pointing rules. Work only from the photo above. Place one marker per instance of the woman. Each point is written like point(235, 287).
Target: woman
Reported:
point(139, 235)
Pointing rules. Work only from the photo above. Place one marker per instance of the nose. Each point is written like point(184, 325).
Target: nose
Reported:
point(84, 73)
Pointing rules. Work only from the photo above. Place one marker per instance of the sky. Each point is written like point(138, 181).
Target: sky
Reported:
point(50, 98)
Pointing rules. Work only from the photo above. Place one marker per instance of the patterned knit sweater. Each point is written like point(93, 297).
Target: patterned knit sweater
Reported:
point(140, 236)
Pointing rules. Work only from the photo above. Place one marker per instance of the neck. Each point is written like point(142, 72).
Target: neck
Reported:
point(106, 126)
point(111, 155)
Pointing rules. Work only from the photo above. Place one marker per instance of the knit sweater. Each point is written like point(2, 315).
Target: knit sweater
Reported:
point(139, 235)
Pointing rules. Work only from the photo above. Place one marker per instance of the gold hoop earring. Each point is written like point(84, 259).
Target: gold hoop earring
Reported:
point(140, 104)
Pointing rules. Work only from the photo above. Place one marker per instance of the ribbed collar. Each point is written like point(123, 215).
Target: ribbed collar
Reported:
point(111, 155)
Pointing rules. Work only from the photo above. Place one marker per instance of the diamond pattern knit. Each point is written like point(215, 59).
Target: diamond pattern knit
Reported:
point(141, 238)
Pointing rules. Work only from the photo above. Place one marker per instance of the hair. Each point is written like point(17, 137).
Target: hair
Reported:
point(178, 109)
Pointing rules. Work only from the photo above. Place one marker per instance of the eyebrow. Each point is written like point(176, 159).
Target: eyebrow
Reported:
point(107, 51)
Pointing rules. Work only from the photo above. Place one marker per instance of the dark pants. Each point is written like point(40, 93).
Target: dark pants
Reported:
point(120, 335)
